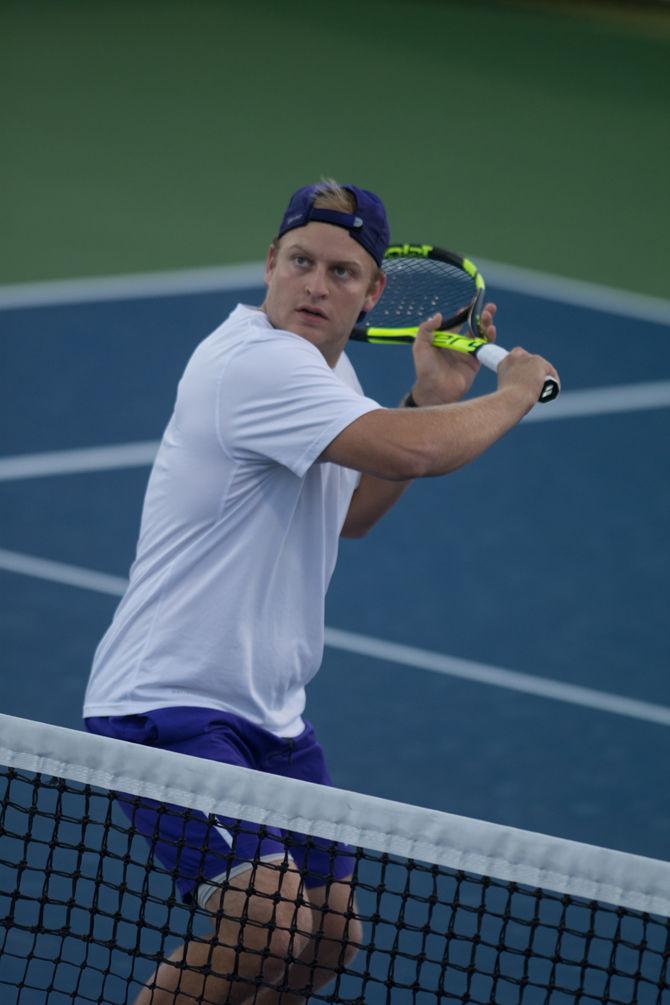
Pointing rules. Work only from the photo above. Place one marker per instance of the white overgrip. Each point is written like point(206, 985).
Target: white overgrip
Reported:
point(492, 355)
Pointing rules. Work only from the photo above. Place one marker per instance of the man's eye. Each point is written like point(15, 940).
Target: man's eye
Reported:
point(342, 271)
point(300, 260)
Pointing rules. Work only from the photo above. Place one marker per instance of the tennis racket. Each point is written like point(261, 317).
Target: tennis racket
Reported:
point(421, 280)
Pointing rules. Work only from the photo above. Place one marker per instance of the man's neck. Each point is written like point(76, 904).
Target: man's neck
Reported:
point(331, 354)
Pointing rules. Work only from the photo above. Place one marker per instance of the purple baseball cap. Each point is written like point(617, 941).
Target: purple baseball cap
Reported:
point(367, 224)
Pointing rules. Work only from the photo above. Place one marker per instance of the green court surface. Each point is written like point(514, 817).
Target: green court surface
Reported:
point(142, 135)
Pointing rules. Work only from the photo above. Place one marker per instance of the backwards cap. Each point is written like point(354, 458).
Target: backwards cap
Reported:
point(367, 224)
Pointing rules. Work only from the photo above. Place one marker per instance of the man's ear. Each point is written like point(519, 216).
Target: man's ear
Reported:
point(375, 292)
point(270, 262)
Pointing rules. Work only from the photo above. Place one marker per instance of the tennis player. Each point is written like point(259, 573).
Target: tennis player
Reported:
point(273, 452)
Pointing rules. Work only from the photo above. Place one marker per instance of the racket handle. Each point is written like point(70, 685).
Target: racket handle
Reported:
point(491, 355)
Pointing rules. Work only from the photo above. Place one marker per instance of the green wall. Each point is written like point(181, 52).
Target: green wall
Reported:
point(142, 135)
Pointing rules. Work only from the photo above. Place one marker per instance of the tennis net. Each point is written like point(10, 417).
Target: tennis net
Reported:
point(438, 907)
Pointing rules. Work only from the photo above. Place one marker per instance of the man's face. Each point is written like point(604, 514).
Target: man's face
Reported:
point(318, 281)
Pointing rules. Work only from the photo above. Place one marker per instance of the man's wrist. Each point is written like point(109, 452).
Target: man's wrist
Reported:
point(428, 395)
point(426, 399)
point(520, 396)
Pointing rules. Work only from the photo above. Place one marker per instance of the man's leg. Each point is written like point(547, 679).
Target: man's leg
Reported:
point(261, 926)
point(336, 938)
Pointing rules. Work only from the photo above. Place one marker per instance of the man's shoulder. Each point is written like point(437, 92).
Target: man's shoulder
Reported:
point(346, 373)
point(246, 352)
point(248, 331)
point(248, 327)
point(243, 321)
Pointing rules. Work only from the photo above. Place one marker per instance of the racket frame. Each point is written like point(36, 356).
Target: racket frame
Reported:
point(446, 337)
point(469, 316)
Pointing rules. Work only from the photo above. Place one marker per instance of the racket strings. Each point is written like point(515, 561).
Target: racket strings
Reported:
point(417, 288)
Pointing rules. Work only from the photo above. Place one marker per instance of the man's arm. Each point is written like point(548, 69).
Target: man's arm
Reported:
point(396, 442)
point(401, 444)
point(372, 499)
point(393, 446)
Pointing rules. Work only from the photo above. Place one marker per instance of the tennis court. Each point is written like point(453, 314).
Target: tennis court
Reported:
point(498, 646)
point(545, 558)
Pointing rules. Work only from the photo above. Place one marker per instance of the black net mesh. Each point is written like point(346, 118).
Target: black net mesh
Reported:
point(418, 287)
point(91, 912)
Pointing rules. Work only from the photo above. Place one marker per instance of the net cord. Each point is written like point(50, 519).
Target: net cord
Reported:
point(381, 825)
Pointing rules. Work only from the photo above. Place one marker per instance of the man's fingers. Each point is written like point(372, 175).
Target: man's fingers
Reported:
point(488, 331)
point(551, 371)
point(486, 325)
point(428, 327)
point(521, 367)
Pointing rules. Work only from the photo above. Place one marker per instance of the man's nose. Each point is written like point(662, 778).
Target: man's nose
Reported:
point(316, 284)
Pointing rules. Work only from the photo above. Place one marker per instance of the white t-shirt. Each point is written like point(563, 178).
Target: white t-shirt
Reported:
point(239, 535)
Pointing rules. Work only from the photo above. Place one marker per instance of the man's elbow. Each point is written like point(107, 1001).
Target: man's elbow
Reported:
point(355, 531)
point(360, 524)
point(406, 464)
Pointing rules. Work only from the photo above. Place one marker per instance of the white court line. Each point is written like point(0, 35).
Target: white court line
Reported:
point(561, 289)
point(246, 276)
point(484, 673)
point(603, 401)
point(391, 652)
point(571, 404)
point(624, 303)
point(70, 462)
point(58, 572)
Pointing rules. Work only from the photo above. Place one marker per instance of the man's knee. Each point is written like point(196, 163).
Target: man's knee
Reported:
point(267, 926)
point(352, 940)
point(339, 939)
point(289, 931)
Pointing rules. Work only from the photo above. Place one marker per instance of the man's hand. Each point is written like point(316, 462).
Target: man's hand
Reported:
point(444, 375)
point(525, 373)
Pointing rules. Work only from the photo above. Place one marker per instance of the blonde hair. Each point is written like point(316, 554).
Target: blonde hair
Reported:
point(331, 195)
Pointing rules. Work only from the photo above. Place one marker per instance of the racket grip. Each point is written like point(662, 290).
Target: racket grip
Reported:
point(491, 355)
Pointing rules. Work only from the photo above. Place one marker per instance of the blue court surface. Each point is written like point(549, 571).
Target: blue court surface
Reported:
point(498, 644)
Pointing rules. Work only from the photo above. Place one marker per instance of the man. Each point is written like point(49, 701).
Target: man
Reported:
point(271, 453)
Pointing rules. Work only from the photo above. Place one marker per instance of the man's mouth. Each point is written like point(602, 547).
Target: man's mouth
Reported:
point(312, 312)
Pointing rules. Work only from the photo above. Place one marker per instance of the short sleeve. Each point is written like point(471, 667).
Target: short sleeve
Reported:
point(279, 399)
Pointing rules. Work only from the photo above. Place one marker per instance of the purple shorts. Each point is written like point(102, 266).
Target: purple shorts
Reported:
point(201, 853)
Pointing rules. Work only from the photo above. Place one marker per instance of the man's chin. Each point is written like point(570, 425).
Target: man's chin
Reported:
point(329, 342)
point(319, 331)
point(313, 327)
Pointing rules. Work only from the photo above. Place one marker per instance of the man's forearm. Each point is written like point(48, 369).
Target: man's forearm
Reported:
point(402, 444)
point(460, 433)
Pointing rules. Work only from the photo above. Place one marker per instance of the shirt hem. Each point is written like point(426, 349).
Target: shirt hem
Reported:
point(91, 710)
